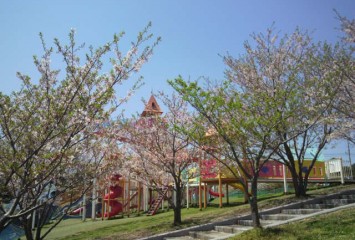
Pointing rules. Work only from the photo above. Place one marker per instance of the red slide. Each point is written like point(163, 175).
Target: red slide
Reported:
point(77, 211)
point(215, 194)
point(116, 206)
point(115, 192)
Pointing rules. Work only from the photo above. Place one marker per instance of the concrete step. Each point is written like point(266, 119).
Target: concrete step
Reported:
point(232, 228)
point(338, 201)
point(225, 232)
point(318, 206)
point(300, 211)
point(347, 196)
point(249, 223)
point(180, 238)
point(277, 217)
point(206, 235)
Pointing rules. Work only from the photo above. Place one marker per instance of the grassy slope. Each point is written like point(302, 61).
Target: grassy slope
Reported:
point(135, 227)
point(337, 225)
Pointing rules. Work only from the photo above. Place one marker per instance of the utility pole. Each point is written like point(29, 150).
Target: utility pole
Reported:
point(351, 166)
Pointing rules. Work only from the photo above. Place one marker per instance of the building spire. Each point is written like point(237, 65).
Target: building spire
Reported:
point(152, 108)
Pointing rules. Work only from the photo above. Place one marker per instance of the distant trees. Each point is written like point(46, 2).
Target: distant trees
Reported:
point(48, 125)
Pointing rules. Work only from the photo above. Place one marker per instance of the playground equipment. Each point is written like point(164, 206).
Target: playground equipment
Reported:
point(211, 174)
point(157, 202)
point(212, 180)
point(211, 177)
point(119, 197)
point(111, 198)
point(124, 194)
point(216, 194)
point(337, 168)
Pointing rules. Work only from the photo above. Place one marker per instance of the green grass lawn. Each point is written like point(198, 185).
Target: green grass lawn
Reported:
point(337, 225)
point(139, 226)
point(134, 227)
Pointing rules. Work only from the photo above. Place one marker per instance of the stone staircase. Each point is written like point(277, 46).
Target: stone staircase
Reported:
point(269, 218)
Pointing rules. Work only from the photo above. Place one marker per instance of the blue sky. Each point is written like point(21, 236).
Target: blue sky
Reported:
point(194, 33)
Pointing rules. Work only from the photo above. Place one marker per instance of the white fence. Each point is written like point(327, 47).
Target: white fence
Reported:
point(338, 168)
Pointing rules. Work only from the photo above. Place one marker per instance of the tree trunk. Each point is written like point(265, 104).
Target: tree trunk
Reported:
point(28, 234)
point(39, 226)
point(27, 225)
point(246, 191)
point(302, 187)
point(295, 182)
point(44, 218)
point(253, 201)
point(299, 186)
point(298, 183)
point(177, 215)
point(297, 178)
point(177, 206)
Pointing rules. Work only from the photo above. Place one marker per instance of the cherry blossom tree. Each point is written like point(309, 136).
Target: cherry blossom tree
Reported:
point(275, 103)
point(160, 154)
point(344, 63)
point(74, 180)
point(348, 27)
point(292, 72)
point(239, 127)
point(48, 125)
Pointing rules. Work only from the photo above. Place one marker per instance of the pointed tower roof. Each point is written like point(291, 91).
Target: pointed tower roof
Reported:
point(152, 108)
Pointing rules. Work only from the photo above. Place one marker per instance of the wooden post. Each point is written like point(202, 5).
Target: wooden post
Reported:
point(139, 197)
point(227, 193)
point(351, 165)
point(341, 171)
point(145, 198)
point(108, 203)
point(220, 189)
point(93, 202)
point(83, 217)
point(200, 188)
point(220, 184)
point(162, 202)
point(205, 196)
point(285, 178)
point(103, 206)
point(123, 195)
point(129, 197)
point(150, 197)
point(187, 194)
